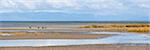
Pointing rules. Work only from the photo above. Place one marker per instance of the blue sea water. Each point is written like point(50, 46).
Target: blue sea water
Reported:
point(47, 23)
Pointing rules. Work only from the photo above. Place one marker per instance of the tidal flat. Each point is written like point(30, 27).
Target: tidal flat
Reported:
point(74, 36)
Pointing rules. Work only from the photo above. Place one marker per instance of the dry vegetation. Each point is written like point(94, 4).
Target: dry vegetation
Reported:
point(121, 27)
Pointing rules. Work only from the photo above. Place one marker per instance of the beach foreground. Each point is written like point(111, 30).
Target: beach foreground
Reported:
point(83, 38)
point(81, 47)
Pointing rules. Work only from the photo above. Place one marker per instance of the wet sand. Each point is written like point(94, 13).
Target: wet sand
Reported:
point(81, 47)
point(60, 35)
point(49, 35)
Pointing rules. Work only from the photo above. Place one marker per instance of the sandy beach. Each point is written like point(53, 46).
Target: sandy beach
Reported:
point(50, 35)
point(61, 35)
point(81, 47)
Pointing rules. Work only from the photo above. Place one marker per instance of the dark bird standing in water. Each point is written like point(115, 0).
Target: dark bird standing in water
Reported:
point(29, 27)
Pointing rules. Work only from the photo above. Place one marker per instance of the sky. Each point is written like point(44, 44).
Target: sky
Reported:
point(74, 10)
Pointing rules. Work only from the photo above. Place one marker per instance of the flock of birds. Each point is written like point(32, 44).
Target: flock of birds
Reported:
point(37, 27)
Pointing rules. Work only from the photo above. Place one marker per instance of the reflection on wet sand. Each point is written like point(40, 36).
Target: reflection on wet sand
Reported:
point(122, 38)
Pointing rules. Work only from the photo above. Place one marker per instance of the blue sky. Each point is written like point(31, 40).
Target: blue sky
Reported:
point(74, 10)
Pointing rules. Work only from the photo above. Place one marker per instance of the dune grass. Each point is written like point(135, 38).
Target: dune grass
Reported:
point(122, 27)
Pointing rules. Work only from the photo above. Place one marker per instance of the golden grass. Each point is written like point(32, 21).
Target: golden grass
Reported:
point(122, 27)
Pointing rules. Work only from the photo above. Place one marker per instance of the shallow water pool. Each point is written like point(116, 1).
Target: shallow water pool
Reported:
point(121, 38)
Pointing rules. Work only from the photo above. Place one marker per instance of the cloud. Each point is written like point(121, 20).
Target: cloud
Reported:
point(130, 8)
point(142, 3)
point(60, 4)
point(36, 4)
point(96, 7)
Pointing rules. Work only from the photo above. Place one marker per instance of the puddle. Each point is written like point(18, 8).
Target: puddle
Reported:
point(122, 38)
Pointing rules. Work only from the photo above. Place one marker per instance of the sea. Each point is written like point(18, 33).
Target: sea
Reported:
point(66, 23)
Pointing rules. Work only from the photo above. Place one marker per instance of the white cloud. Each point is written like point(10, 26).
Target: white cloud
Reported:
point(60, 4)
point(37, 4)
point(5, 4)
point(98, 7)
point(141, 3)
point(104, 4)
point(63, 4)
point(144, 5)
